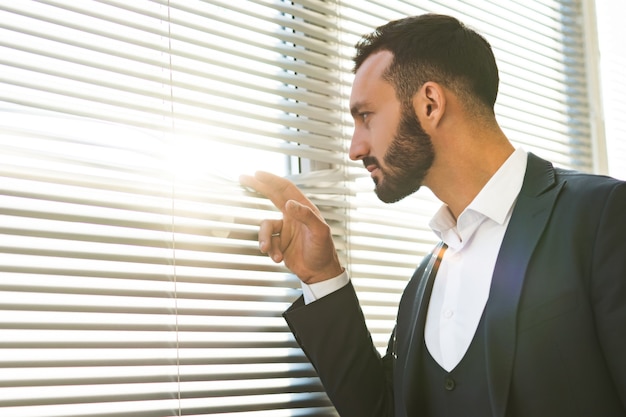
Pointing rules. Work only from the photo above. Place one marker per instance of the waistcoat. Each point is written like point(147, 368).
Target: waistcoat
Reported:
point(463, 392)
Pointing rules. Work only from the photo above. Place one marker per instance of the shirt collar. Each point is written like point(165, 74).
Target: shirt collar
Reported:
point(495, 199)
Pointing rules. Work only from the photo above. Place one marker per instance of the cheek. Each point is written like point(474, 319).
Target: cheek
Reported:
point(386, 140)
point(382, 135)
point(383, 128)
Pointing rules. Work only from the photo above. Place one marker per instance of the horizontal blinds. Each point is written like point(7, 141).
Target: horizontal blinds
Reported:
point(86, 280)
point(226, 87)
point(130, 279)
point(542, 105)
point(115, 296)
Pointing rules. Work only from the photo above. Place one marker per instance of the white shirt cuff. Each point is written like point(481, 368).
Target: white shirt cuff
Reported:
point(321, 289)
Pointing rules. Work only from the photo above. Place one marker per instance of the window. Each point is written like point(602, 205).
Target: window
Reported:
point(612, 60)
point(130, 280)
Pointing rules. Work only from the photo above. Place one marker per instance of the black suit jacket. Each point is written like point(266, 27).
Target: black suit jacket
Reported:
point(555, 320)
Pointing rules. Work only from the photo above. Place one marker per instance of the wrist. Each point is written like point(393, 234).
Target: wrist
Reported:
point(324, 275)
point(321, 289)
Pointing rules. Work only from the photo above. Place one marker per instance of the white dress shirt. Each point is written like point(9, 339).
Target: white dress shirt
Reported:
point(462, 283)
point(461, 287)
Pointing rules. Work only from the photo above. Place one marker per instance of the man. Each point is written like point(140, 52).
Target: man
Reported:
point(524, 315)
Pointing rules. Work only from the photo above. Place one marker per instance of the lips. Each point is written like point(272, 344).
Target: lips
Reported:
point(373, 169)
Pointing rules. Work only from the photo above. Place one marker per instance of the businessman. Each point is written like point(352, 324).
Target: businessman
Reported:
point(521, 310)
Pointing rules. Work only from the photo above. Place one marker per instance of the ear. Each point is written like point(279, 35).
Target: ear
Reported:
point(429, 105)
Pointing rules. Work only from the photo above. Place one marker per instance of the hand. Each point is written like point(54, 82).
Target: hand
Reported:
point(302, 238)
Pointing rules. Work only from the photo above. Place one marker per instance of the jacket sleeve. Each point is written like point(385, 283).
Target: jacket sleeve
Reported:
point(332, 333)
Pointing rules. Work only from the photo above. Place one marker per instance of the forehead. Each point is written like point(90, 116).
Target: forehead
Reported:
point(368, 80)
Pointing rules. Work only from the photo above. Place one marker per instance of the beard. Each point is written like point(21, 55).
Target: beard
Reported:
point(407, 160)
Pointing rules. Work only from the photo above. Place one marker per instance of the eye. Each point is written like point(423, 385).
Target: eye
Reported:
point(364, 116)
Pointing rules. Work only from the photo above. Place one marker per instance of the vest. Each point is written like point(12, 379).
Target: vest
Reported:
point(463, 392)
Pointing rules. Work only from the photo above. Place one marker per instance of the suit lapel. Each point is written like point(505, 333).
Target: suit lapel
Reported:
point(418, 320)
point(422, 295)
point(530, 217)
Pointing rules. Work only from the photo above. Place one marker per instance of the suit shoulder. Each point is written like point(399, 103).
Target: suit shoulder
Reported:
point(585, 182)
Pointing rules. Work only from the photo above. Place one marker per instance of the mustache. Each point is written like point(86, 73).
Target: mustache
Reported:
point(370, 160)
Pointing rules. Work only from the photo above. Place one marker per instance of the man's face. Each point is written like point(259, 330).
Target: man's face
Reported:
point(388, 137)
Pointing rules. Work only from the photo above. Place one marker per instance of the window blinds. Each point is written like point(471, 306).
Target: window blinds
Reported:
point(130, 280)
point(131, 283)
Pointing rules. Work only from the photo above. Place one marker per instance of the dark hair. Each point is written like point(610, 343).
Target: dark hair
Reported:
point(437, 48)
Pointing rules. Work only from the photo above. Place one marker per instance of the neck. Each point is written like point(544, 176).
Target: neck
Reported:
point(462, 169)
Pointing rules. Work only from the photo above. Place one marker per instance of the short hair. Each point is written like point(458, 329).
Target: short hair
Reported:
point(439, 48)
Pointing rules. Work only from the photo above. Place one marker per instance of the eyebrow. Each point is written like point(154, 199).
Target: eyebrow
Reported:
point(356, 108)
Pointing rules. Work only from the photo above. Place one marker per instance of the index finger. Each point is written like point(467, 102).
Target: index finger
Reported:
point(278, 189)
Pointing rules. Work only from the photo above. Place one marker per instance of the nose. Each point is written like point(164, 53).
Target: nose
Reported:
point(359, 147)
